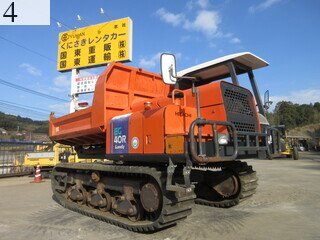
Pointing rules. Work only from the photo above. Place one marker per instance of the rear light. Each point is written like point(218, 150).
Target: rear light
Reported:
point(83, 104)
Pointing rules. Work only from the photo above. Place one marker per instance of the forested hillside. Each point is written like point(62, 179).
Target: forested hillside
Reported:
point(12, 123)
point(294, 115)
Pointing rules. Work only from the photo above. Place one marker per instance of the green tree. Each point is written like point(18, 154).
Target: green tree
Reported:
point(316, 106)
point(305, 114)
point(286, 114)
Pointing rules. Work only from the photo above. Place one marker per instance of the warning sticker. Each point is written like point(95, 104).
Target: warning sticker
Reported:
point(135, 143)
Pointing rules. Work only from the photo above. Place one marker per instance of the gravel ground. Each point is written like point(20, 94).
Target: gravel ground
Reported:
point(286, 206)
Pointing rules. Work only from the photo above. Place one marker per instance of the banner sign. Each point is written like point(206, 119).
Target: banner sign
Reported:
point(85, 84)
point(95, 45)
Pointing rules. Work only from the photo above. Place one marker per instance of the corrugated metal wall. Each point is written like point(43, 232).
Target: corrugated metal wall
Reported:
point(12, 156)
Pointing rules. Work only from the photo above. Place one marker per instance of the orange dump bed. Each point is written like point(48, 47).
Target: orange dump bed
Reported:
point(117, 89)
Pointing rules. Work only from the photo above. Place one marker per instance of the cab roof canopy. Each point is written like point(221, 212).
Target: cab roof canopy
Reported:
point(223, 67)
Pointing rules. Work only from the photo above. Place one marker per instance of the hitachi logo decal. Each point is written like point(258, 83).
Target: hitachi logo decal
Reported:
point(183, 114)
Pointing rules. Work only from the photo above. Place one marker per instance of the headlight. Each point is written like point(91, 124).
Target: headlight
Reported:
point(223, 138)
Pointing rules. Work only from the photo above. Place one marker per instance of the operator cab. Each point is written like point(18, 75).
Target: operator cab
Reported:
point(214, 70)
point(224, 67)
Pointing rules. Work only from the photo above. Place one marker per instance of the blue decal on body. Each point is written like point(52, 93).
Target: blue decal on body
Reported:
point(119, 134)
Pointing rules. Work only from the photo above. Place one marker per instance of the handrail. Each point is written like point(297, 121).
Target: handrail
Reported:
point(217, 157)
point(173, 96)
point(202, 157)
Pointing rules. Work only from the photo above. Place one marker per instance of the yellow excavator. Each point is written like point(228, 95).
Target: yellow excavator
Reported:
point(288, 145)
point(50, 156)
point(280, 144)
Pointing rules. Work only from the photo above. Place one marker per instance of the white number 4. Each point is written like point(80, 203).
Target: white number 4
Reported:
point(12, 15)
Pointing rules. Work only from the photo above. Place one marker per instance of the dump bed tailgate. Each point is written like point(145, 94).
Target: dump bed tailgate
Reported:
point(76, 129)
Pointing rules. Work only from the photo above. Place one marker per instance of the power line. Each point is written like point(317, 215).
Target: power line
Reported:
point(28, 49)
point(25, 112)
point(22, 109)
point(27, 107)
point(31, 91)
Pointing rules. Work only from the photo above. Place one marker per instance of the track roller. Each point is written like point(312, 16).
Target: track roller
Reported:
point(132, 197)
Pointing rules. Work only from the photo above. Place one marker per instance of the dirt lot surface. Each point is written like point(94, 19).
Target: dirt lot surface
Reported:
point(286, 206)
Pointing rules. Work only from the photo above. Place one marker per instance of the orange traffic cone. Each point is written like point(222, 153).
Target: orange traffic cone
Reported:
point(37, 176)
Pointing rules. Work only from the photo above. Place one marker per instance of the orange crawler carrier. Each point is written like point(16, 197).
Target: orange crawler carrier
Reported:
point(169, 144)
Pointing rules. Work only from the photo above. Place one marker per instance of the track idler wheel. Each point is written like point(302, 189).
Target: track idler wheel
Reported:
point(129, 208)
point(217, 186)
point(77, 194)
point(99, 199)
point(228, 187)
point(137, 211)
point(150, 197)
point(224, 184)
point(107, 198)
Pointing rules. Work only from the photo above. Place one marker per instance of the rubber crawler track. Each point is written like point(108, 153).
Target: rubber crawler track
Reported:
point(174, 207)
point(248, 184)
